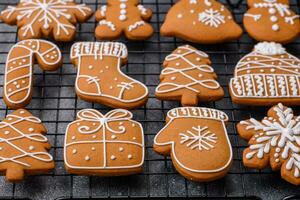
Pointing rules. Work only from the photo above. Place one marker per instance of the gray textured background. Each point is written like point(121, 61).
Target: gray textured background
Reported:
point(55, 103)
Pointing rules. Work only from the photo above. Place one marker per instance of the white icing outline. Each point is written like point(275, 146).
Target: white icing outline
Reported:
point(212, 18)
point(199, 117)
point(98, 50)
point(103, 120)
point(28, 55)
point(136, 25)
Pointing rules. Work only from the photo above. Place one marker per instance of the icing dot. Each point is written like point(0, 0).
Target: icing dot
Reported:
point(106, 67)
point(113, 157)
point(296, 70)
point(129, 156)
point(248, 71)
point(123, 5)
point(179, 51)
point(255, 58)
point(93, 148)
point(9, 119)
point(23, 81)
point(77, 123)
point(277, 149)
point(20, 63)
point(33, 46)
point(179, 16)
point(101, 71)
point(31, 148)
point(94, 136)
point(113, 137)
point(73, 138)
point(22, 112)
point(115, 79)
point(47, 56)
point(121, 123)
point(192, 11)
point(24, 60)
point(261, 133)
point(198, 59)
point(123, 12)
point(15, 82)
point(200, 75)
point(122, 17)
point(272, 70)
point(248, 59)
point(229, 17)
point(277, 160)
point(133, 125)
point(18, 86)
point(275, 27)
point(261, 70)
point(94, 124)
point(280, 63)
point(6, 132)
point(90, 67)
point(74, 151)
point(9, 89)
point(87, 158)
point(121, 149)
point(111, 87)
point(177, 64)
point(134, 138)
point(1, 148)
point(14, 62)
point(272, 10)
point(273, 18)
point(173, 78)
point(276, 155)
point(31, 129)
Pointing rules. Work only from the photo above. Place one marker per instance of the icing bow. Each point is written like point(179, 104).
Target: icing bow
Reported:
point(102, 121)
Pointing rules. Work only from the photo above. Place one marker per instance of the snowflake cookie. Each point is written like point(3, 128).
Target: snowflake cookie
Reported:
point(128, 17)
point(104, 145)
point(266, 76)
point(23, 147)
point(271, 20)
point(100, 79)
point(200, 21)
point(197, 141)
point(274, 141)
point(18, 75)
point(187, 77)
point(46, 18)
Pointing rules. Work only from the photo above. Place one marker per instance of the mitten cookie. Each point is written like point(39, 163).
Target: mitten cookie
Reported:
point(271, 20)
point(197, 140)
point(18, 80)
point(46, 18)
point(200, 21)
point(105, 145)
point(23, 147)
point(266, 76)
point(187, 77)
point(100, 79)
point(274, 141)
point(128, 17)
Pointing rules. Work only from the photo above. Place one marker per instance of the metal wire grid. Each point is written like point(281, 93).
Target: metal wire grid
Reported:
point(54, 101)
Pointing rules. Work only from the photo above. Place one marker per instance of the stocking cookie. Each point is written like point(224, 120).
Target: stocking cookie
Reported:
point(18, 80)
point(200, 21)
point(105, 145)
point(274, 141)
point(197, 140)
point(187, 77)
point(128, 17)
point(271, 20)
point(23, 147)
point(266, 76)
point(46, 18)
point(99, 77)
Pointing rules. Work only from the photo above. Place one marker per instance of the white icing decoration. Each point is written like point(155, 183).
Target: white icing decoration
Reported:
point(54, 12)
point(135, 25)
point(195, 113)
point(103, 127)
point(22, 153)
point(198, 138)
point(103, 10)
point(255, 17)
point(99, 50)
point(211, 18)
point(109, 24)
point(25, 51)
point(283, 133)
point(142, 9)
point(207, 83)
point(269, 48)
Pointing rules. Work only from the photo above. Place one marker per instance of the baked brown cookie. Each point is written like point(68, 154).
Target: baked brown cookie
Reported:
point(104, 145)
point(267, 76)
point(123, 17)
point(23, 147)
point(46, 18)
point(187, 77)
point(200, 21)
point(197, 140)
point(271, 20)
point(274, 141)
point(18, 75)
point(100, 79)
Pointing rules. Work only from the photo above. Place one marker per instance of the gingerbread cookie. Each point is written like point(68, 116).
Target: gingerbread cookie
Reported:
point(274, 141)
point(105, 145)
point(187, 77)
point(100, 79)
point(128, 17)
point(23, 147)
point(18, 80)
point(197, 140)
point(46, 18)
point(266, 76)
point(271, 20)
point(200, 21)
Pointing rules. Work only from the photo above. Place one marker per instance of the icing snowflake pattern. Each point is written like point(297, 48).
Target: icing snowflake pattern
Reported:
point(211, 17)
point(281, 133)
point(45, 14)
point(199, 138)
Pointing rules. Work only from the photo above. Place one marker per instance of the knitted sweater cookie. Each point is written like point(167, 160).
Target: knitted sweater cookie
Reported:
point(266, 76)
point(200, 21)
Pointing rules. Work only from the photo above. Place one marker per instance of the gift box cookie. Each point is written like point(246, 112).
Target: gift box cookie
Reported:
point(104, 145)
point(197, 141)
point(266, 76)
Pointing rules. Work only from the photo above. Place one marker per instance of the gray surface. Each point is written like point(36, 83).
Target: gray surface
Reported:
point(55, 103)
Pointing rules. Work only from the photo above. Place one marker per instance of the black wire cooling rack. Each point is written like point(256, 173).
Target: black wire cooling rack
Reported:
point(55, 102)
